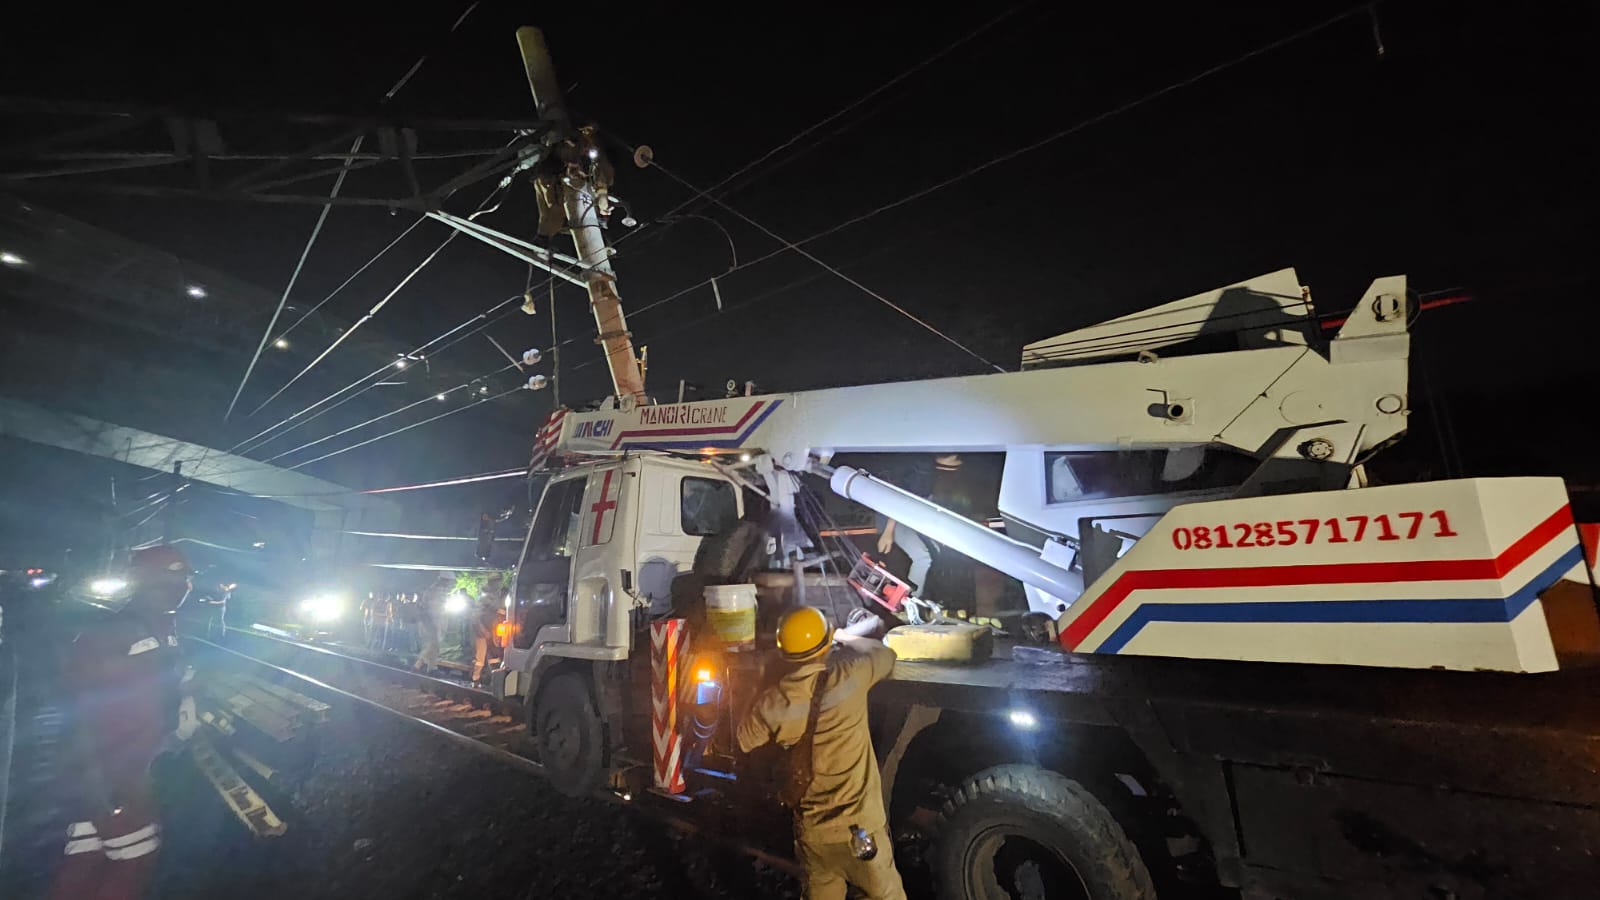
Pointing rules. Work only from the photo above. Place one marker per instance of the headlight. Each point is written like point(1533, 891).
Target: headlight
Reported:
point(456, 602)
point(107, 586)
point(323, 607)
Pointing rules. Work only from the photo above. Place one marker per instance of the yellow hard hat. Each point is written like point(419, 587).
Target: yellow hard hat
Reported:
point(804, 633)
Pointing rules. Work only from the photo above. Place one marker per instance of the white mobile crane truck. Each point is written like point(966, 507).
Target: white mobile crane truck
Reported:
point(1284, 741)
point(1265, 675)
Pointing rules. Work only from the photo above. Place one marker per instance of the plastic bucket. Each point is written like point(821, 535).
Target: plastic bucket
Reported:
point(731, 613)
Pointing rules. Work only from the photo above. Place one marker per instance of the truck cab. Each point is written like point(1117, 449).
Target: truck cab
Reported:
point(605, 543)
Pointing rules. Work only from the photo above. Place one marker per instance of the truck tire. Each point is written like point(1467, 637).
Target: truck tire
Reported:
point(568, 732)
point(1021, 831)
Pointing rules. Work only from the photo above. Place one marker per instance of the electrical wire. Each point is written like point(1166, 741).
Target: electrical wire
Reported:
point(376, 308)
point(1095, 120)
point(322, 217)
point(353, 276)
point(1007, 157)
point(375, 373)
point(482, 317)
point(294, 276)
point(852, 105)
point(441, 395)
point(390, 434)
point(465, 479)
point(836, 272)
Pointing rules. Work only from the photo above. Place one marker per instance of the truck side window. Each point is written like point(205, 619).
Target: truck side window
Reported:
point(707, 506)
point(541, 595)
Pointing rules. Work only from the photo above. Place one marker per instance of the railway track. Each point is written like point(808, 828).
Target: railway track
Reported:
point(472, 719)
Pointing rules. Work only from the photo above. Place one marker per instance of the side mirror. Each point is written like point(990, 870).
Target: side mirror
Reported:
point(485, 537)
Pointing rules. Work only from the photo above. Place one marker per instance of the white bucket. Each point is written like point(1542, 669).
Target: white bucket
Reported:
point(731, 613)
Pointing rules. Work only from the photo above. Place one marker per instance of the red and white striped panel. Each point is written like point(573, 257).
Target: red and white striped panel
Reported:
point(549, 436)
point(668, 640)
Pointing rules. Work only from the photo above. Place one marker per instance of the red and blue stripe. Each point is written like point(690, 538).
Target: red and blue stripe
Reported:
point(1465, 610)
point(694, 438)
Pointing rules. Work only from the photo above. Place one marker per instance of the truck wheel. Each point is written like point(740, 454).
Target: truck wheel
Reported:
point(568, 732)
point(1019, 831)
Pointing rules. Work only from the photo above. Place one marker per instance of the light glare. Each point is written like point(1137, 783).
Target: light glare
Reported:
point(1022, 718)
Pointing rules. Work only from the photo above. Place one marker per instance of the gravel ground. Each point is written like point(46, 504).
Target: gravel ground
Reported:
point(385, 810)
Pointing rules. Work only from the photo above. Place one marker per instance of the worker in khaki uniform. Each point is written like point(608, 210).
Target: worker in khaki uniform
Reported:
point(841, 830)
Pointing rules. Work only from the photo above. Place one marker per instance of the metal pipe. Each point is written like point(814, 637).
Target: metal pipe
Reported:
point(1020, 561)
point(536, 257)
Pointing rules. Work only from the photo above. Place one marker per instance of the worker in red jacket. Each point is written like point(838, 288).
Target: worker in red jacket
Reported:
point(127, 683)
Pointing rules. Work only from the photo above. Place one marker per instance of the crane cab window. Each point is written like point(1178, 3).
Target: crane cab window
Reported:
point(541, 594)
point(707, 506)
point(1100, 475)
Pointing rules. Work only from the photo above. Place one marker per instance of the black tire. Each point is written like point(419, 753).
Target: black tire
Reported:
point(1020, 831)
point(568, 732)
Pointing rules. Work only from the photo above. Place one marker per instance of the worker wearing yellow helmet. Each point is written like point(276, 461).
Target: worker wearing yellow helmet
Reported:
point(818, 709)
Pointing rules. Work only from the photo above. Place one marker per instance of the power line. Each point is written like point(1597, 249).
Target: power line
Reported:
point(842, 276)
point(482, 317)
point(353, 276)
point(1007, 157)
point(375, 373)
point(323, 216)
point(407, 428)
point(1091, 121)
point(441, 395)
point(466, 479)
point(852, 105)
point(376, 308)
point(294, 276)
point(844, 110)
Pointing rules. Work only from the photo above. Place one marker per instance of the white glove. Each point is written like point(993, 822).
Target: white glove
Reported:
point(188, 721)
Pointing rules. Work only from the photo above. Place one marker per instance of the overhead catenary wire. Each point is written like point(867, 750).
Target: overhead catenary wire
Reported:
point(853, 105)
point(378, 373)
point(450, 482)
point(283, 300)
point(435, 397)
point(376, 307)
point(791, 245)
point(353, 276)
point(482, 318)
point(322, 217)
point(406, 428)
point(419, 537)
point(1010, 155)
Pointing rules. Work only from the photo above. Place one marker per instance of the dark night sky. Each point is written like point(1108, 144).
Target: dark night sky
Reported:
point(1460, 157)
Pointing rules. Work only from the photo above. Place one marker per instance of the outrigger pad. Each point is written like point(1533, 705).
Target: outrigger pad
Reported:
point(952, 642)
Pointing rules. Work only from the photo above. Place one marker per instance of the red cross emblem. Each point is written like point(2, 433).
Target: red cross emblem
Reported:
point(600, 508)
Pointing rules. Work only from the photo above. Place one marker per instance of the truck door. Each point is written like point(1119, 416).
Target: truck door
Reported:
point(681, 508)
point(544, 575)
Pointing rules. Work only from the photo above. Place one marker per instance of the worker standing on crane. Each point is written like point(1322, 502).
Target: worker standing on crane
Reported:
point(818, 709)
point(127, 683)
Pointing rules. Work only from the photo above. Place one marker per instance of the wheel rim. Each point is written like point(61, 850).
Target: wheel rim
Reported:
point(1002, 863)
